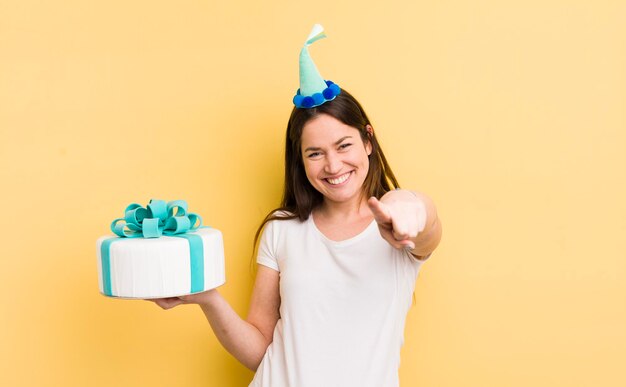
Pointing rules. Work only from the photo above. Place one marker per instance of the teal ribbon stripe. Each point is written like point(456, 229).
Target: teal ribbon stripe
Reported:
point(196, 261)
point(105, 258)
point(157, 219)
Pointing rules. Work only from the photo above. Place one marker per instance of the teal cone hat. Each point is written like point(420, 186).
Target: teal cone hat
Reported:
point(314, 90)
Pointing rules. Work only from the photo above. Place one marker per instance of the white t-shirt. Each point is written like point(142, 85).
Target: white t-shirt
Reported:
point(343, 307)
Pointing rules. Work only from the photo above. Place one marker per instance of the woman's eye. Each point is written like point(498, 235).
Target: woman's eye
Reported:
point(344, 146)
point(312, 155)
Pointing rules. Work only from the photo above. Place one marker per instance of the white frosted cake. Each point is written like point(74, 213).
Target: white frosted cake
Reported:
point(167, 266)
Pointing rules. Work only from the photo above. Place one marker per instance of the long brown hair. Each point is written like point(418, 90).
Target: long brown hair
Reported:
point(300, 198)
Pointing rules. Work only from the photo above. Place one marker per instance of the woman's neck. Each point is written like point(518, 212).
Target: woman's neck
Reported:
point(344, 212)
point(341, 221)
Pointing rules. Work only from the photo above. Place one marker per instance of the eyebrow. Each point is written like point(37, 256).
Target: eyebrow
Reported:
point(313, 148)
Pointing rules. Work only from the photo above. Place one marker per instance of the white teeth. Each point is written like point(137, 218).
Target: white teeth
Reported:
point(340, 179)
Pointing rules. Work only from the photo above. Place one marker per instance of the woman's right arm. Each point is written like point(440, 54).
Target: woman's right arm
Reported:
point(247, 340)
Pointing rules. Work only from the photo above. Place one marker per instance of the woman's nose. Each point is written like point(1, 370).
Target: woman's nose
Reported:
point(333, 164)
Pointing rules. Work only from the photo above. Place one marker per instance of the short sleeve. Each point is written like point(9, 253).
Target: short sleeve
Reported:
point(267, 247)
point(414, 261)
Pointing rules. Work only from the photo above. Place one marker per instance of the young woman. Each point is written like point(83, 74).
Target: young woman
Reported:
point(337, 261)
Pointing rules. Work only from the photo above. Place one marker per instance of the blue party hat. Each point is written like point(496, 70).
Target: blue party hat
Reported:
point(314, 90)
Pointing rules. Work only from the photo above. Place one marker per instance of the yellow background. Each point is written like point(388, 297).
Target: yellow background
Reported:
point(511, 115)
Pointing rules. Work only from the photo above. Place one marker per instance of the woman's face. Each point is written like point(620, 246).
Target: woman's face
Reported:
point(335, 158)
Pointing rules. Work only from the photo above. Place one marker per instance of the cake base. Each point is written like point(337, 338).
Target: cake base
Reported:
point(169, 266)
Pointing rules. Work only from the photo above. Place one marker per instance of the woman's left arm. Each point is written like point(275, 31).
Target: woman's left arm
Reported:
point(408, 220)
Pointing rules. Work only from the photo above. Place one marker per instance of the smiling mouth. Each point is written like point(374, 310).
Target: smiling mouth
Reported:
point(338, 180)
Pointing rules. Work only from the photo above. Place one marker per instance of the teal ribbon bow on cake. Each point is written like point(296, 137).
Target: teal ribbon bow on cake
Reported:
point(156, 219)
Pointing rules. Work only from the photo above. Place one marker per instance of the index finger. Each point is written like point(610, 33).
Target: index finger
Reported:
point(380, 211)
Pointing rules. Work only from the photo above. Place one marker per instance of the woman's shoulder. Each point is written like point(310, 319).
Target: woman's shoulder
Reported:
point(282, 226)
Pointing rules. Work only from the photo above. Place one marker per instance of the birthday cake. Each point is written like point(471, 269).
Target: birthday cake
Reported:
point(159, 251)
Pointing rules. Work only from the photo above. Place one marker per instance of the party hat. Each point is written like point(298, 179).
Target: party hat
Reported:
point(314, 90)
